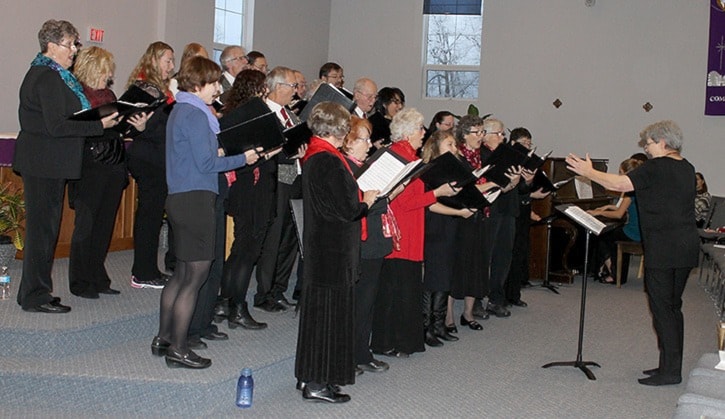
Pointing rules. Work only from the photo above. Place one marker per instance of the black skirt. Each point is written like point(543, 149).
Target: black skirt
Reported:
point(471, 266)
point(192, 218)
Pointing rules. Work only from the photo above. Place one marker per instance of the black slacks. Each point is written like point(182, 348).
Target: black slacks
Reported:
point(279, 250)
point(500, 245)
point(152, 191)
point(519, 272)
point(95, 198)
point(366, 289)
point(244, 255)
point(43, 209)
point(664, 293)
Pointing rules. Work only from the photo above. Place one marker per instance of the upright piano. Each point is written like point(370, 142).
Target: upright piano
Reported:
point(567, 247)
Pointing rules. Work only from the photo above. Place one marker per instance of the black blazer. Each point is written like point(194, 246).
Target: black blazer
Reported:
point(50, 145)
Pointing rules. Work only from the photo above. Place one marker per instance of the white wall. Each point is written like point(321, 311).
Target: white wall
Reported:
point(603, 62)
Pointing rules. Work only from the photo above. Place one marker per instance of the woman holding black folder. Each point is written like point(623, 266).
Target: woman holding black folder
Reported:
point(146, 162)
point(397, 323)
point(96, 195)
point(251, 202)
point(48, 152)
point(193, 163)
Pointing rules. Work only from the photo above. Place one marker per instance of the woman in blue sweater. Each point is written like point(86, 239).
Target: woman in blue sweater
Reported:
point(193, 162)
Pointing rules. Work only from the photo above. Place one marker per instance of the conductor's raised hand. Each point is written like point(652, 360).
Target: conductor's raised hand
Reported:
point(578, 165)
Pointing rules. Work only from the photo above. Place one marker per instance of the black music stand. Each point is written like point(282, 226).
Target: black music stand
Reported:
point(546, 284)
point(582, 365)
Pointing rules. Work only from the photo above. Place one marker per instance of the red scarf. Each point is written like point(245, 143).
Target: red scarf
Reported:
point(318, 145)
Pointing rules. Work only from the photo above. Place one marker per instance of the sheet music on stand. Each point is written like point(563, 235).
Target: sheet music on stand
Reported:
point(582, 217)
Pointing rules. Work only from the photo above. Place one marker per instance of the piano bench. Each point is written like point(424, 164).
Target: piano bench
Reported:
point(627, 248)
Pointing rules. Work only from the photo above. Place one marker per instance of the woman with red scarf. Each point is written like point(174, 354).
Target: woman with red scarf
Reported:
point(398, 319)
point(334, 210)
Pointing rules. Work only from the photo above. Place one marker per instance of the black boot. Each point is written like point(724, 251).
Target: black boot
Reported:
point(221, 309)
point(440, 306)
point(239, 316)
point(430, 337)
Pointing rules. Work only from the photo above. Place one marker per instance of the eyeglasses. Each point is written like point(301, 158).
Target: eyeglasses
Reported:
point(648, 143)
point(499, 133)
point(366, 140)
point(74, 46)
point(396, 101)
point(292, 85)
point(477, 132)
point(242, 58)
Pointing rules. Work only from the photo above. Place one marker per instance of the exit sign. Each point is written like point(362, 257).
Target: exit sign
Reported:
point(96, 35)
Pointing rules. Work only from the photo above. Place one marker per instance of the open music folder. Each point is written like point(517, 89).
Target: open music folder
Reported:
point(385, 170)
point(583, 218)
point(326, 93)
point(250, 126)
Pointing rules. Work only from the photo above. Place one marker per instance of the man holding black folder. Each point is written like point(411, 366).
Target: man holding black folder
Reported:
point(502, 216)
point(279, 250)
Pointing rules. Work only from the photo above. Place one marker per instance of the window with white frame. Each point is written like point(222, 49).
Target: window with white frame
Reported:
point(232, 24)
point(452, 43)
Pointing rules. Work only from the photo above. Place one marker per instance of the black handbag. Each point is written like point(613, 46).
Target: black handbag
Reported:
point(108, 151)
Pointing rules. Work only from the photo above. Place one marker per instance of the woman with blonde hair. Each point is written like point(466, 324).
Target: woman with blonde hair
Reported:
point(96, 195)
point(146, 162)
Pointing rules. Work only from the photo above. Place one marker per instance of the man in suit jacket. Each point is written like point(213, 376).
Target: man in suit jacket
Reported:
point(364, 94)
point(279, 250)
point(233, 60)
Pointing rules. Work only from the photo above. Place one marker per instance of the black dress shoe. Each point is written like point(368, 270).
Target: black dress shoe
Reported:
point(91, 295)
point(216, 336)
point(519, 303)
point(285, 303)
point(498, 310)
point(159, 346)
point(374, 366)
point(175, 359)
point(109, 291)
point(479, 313)
point(196, 343)
point(301, 386)
point(239, 316)
point(393, 353)
point(270, 307)
point(660, 380)
point(472, 324)
point(53, 307)
point(653, 371)
point(451, 328)
point(327, 394)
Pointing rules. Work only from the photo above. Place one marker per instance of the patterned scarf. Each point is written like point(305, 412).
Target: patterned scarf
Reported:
point(70, 80)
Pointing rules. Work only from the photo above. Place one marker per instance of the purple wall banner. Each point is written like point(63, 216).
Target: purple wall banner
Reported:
point(715, 90)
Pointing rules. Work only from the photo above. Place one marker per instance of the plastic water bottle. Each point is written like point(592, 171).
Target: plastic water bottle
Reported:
point(4, 284)
point(245, 389)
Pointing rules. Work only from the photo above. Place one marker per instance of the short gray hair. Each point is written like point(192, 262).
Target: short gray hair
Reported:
point(227, 55)
point(276, 76)
point(54, 31)
point(404, 123)
point(329, 119)
point(662, 130)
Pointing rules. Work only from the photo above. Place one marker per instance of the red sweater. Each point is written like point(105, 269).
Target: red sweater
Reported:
point(409, 209)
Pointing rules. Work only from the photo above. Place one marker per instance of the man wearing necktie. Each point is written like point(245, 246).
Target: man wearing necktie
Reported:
point(279, 250)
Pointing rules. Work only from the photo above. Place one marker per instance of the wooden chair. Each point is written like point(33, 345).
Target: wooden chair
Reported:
point(625, 249)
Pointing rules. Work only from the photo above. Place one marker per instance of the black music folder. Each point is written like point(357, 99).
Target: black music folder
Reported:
point(295, 137)
point(448, 168)
point(534, 162)
point(501, 160)
point(326, 93)
point(250, 126)
point(385, 170)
